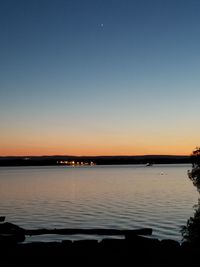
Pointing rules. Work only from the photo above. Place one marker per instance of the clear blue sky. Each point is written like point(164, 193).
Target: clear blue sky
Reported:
point(99, 77)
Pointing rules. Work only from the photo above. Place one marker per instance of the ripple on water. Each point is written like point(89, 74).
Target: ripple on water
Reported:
point(104, 197)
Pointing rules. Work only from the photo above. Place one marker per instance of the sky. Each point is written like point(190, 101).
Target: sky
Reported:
point(99, 77)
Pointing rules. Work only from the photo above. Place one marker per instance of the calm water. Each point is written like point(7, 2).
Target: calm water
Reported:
point(121, 197)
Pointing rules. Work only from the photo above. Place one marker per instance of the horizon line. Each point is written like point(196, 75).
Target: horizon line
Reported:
point(119, 155)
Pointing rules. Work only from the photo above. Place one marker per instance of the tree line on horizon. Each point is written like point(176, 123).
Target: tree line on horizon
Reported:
point(99, 160)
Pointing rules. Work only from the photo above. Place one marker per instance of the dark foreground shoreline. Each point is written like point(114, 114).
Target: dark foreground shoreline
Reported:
point(99, 160)
point(134, 251)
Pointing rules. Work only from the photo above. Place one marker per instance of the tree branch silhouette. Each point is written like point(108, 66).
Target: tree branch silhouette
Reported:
point(191, 232)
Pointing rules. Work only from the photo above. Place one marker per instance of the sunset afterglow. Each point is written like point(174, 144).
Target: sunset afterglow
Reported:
point(99, 77)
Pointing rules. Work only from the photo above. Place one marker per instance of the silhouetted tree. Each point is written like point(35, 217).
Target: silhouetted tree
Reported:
point(194, 175)
point(195, 157)
point(191, 232)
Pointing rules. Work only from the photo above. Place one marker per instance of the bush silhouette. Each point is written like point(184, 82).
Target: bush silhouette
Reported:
point(191, 232)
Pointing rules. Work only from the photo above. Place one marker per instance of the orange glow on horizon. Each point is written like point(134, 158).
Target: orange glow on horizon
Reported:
point(48, 151)
point(94, 145)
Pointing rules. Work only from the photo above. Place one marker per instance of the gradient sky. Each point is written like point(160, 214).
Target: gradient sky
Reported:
point(99, 77)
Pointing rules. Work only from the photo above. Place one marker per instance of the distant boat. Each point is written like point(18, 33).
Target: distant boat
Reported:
point(149, 164)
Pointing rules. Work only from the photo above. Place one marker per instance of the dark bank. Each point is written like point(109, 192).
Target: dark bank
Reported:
point(100, 160)
point(134, 248)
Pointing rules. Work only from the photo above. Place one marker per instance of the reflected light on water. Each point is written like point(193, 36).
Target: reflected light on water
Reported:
point(160, 196)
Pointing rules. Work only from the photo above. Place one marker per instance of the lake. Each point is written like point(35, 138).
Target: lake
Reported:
point(119, 197)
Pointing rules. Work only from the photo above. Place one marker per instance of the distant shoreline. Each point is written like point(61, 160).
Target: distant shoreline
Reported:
point(98, 160)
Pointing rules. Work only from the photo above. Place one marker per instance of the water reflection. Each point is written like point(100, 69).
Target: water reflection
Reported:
point(118, 197)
